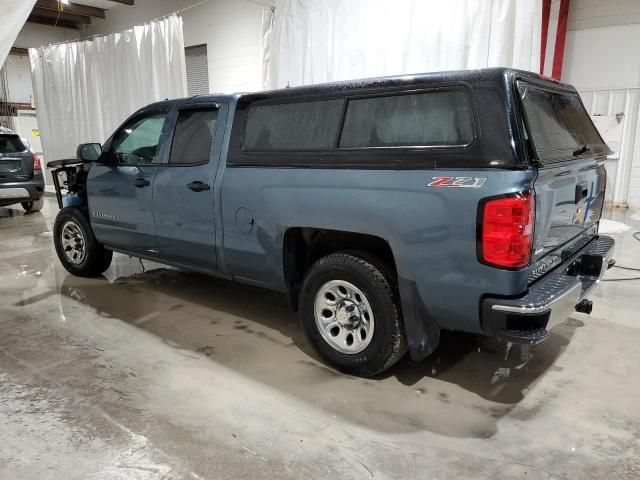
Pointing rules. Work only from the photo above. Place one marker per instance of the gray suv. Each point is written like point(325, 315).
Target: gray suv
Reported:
point(387, 209)
point(21, 177)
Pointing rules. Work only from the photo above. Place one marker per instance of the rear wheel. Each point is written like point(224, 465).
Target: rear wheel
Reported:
point(33, 205)
point(76, 246)
point(350, 312)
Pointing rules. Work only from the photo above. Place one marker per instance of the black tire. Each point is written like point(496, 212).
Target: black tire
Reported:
point(96, 258)
point(33, 205)
point(375, 280)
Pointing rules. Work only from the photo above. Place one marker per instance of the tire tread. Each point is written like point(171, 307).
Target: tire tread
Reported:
point(98, 258)
point(382, 278)
point(33, 205)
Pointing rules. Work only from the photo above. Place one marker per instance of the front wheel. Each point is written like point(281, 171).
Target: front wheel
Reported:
point(351, 314)
point(33, 205)
point(76, 246)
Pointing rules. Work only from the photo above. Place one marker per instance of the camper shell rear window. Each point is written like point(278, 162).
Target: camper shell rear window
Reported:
point(558, 126)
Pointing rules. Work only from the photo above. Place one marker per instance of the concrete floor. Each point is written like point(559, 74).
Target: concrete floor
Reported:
point(152, 373)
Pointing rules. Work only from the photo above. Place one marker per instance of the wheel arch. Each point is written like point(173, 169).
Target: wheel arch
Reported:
point(302, 246)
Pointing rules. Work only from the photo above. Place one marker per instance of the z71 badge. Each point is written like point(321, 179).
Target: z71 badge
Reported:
point(459, 182)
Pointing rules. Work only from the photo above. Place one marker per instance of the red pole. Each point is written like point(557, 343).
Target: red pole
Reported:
point(558, 55)
point(546, 11)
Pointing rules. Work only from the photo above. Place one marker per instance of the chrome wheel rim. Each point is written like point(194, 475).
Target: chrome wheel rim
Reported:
point(73, 243)
point(344, 316)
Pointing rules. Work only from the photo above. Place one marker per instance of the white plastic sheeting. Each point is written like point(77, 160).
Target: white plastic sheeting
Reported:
point(315, 41)
point(84, 90)
point(268, 19)
point(13, 14)
point(621, 109)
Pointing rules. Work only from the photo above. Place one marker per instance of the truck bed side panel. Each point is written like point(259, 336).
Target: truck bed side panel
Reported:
point(431, 231)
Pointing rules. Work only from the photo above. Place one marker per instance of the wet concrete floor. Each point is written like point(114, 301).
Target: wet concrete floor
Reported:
point(153, 373)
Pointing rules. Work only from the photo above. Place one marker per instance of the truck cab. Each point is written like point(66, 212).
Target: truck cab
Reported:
point(386, 209)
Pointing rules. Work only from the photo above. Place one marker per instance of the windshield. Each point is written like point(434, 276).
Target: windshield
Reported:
point(559, 126)
point(11, 144)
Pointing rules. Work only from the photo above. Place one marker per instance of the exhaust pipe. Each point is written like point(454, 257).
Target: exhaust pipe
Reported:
point(585, 306)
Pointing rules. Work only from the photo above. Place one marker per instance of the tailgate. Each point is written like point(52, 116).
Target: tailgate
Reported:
point(571, 177)
point(569, 201)
point(16, 162)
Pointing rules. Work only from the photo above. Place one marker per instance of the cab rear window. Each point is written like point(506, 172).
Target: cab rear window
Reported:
point(559, 126)
point(11, 144)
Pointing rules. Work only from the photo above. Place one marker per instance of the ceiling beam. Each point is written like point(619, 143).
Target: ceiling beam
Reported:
point(124, 2)
point(19, 51)
point(70, 17)
point(51, 21)
point(71, 8)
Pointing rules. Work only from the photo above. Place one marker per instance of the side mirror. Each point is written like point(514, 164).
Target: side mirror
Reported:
point(89, 152)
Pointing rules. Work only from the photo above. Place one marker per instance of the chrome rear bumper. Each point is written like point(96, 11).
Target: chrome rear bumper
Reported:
point(552, 299)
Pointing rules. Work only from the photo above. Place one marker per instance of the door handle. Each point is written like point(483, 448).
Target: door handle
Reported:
point(198, 186)
point(581, 192)
point(141, 182)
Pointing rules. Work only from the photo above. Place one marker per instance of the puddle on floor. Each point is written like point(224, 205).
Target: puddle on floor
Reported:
point(461, 390)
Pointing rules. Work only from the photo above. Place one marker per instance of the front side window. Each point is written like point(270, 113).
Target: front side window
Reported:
point(439, 118)
point(193, 136)
point(293, 126)
point(137, 143)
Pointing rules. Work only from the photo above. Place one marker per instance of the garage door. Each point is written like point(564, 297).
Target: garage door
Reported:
point(197, 70)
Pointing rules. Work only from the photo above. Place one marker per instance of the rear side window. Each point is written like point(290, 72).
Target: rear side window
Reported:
point(293, 126)
point(442, 118)
point(193, 136)
point(559, 126)
point(11, 144)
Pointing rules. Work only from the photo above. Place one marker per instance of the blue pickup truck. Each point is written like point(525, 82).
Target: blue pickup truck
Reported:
point(386, 209)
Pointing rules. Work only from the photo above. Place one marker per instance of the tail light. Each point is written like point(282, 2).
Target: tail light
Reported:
point(506, 232)
point(36, 162)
